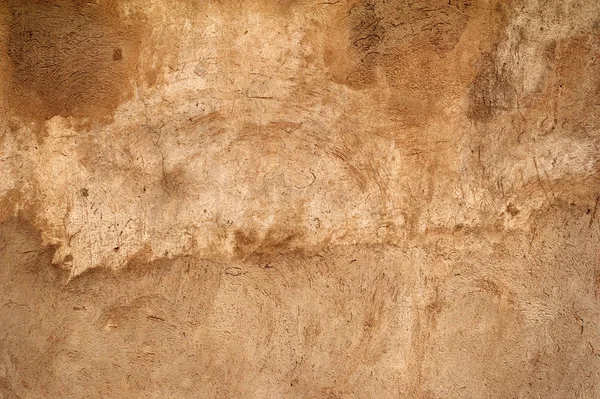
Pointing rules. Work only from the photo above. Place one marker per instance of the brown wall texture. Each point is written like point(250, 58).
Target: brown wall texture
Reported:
point(299, 199)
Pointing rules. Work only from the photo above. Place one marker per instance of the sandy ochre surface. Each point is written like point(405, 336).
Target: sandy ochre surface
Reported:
point(321, 199)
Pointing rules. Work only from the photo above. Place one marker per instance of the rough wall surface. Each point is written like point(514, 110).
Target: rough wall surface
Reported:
point(299, 199)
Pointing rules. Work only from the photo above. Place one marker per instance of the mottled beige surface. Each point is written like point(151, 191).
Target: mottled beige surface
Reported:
point(299, 199)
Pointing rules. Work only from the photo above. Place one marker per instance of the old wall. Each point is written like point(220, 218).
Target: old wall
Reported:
point(299, 199)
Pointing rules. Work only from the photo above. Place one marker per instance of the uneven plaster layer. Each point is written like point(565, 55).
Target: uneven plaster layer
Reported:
point(372, 198)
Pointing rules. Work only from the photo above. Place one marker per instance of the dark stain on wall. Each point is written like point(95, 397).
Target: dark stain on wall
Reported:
point(69, 58)
point(492, 91)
